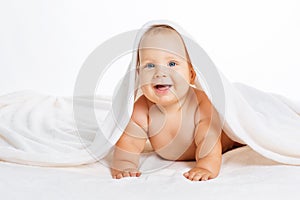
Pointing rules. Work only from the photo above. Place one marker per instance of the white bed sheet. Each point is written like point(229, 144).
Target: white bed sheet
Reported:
point(244, 175)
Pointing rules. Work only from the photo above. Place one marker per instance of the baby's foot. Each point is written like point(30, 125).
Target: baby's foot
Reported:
point(117, 174)
point(198, 174)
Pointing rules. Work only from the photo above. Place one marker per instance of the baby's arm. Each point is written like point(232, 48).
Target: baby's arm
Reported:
point(131, 143)
point(208, 141)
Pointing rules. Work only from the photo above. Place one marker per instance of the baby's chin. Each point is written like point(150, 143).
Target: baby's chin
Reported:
point(163, 100)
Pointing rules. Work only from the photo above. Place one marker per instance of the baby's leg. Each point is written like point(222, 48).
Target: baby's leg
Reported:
point(228, 144)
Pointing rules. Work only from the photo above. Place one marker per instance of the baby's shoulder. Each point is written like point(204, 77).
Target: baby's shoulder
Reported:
point(204, 109)
point(201, 96)
point(141, 103)
point(140, 111)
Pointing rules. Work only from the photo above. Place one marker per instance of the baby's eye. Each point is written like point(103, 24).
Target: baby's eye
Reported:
point(172, 64)
point(149, 65)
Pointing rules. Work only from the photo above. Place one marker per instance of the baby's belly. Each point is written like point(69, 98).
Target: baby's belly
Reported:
point(189, 154)
point(171, 148)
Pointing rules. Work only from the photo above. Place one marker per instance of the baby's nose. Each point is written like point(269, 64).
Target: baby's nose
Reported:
point(160, 72)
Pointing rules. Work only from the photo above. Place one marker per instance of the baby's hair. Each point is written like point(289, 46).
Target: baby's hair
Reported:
point(158, 29)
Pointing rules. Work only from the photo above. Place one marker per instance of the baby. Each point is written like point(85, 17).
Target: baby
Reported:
point(178, 119)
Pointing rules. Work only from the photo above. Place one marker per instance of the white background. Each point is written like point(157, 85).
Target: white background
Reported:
point(43, 44)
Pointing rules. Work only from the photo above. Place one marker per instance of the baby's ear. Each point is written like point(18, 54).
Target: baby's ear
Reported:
point(193, 75)
point(137, 66)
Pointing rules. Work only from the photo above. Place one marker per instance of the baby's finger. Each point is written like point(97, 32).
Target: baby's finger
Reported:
point(197, 177)
point(205, 177)
point(133, 174)
point(126, 174)
point(119, 175)
point(186, 174)
point(191, 175)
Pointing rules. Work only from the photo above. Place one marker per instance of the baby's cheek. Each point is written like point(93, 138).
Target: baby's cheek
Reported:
point(145, 89)
point(181, 86)
point(145, 79)
point(148, 92)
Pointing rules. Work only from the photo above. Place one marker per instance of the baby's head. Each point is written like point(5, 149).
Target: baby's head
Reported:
point(165, 72)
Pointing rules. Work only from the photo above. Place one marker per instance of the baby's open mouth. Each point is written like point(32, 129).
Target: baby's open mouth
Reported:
point(162, 87)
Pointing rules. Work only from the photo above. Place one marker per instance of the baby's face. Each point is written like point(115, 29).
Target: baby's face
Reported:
point(164, 72)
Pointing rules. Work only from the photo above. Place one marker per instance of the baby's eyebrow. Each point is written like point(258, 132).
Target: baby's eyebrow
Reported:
point(147, 60)
point(167, 58)
point(173, 58)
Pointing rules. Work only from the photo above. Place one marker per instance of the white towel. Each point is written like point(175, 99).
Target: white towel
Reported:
point(40, 129)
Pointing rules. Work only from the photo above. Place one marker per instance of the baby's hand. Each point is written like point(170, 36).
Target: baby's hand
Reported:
point(117, 174)
point(198, 174)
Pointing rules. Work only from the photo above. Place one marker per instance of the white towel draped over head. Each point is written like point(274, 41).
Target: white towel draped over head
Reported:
point(40, 129)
